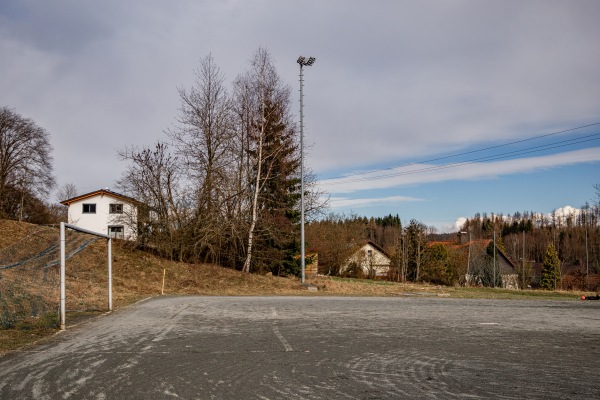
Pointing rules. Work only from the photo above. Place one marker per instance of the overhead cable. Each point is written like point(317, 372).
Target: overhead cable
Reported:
point(563, 143)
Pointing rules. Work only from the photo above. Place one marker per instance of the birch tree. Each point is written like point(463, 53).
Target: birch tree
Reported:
point(264, 112)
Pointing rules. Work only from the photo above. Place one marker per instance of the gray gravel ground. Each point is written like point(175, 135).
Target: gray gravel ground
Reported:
point(318, 348)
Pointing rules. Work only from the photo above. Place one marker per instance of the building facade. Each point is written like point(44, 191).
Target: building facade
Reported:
point(372, 260)
point(106, 212)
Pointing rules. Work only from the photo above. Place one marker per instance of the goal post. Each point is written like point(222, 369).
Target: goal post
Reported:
point(63, 227)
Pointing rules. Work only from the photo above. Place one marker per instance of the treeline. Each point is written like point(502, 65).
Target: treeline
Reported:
point(224, 185)
point(417, 253)
point(575, 236)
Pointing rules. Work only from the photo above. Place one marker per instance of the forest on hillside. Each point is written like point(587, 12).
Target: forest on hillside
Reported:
point(416, 254)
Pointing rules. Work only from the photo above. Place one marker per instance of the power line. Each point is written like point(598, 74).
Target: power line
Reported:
point(458, 164)
point(500, 156)
point(351, 178)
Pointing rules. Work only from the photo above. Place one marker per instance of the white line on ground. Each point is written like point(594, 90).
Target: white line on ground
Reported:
point(277, 333)
point(282, 339)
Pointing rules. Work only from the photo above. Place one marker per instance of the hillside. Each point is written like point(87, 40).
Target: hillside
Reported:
point(138, 274)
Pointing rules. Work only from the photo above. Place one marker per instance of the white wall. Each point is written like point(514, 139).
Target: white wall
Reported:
point(378, 261)
point(102, 219)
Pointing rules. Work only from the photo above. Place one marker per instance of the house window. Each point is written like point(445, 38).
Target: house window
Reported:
point(116, 208)
point(116, 232)
point(370, 253)
point(89, 208)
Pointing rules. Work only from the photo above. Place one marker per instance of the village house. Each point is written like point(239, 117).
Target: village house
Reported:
point(480, 258)
point(106, 212)
point(481, 263)
point(370, 259)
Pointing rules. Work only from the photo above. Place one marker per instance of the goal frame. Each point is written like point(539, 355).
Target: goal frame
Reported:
point(63, 302)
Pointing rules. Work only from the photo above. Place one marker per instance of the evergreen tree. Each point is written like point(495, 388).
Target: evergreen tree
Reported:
point(550, 269)
point(416, 244)
point(277, 243)
point(273, 169)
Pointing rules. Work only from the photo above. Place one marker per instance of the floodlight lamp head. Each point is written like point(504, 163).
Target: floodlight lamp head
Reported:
point(301, 60)
point(310, 61)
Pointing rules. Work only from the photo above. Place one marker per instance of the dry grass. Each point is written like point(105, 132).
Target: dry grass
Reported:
point(137, 274)
point(12, 231)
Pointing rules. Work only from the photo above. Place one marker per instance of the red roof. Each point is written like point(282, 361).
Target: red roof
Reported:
point(101, 192)
point(476, 245)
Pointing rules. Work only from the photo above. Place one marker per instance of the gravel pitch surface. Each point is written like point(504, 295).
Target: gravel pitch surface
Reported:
point(318, 348)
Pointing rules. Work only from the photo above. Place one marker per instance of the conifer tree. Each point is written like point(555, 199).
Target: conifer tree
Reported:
point(550, 269)
point(273, 169)
point(277, 244)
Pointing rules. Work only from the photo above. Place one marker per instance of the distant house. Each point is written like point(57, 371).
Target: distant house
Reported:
point(106, 212)
point(311, 266)
point(482, 257)
point(370, 259)
point(481, 264)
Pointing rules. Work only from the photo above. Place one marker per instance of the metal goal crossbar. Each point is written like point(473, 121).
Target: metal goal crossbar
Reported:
point(63, 227)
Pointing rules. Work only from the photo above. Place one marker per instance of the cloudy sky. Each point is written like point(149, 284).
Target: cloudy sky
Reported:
point(433, 110)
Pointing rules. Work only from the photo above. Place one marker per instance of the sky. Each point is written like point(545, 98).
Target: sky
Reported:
point(432, 110)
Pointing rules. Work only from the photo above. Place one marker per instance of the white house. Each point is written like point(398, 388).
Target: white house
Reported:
point(372, 260)
point(106, 212)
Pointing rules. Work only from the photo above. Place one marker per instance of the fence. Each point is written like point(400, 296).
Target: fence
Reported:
point(30, 277)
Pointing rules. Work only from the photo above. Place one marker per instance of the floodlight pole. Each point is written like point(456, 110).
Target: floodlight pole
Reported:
point(302, 61)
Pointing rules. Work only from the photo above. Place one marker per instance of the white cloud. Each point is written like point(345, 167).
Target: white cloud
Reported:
point(562, 214)
point(459, 223)
point(343, 202)
point(429, 173)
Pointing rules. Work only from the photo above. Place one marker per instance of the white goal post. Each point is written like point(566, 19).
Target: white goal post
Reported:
point(63, 301)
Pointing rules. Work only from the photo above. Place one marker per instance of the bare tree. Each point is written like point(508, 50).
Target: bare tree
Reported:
point(25, 158)
point(204, 132)
point(66, 192)
point(153, 179)
point(204, 138)
point(316, 199)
